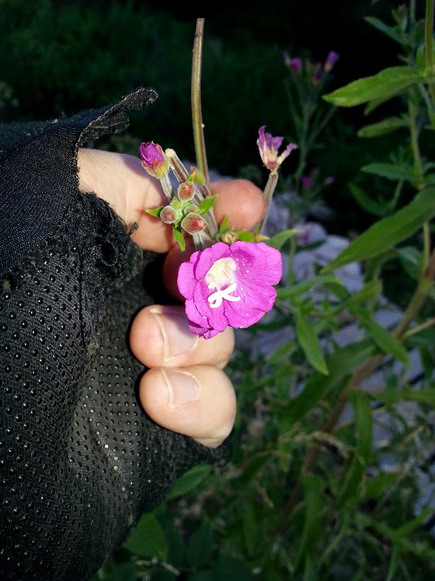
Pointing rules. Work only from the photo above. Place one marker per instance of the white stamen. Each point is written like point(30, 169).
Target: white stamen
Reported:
point(216, 298)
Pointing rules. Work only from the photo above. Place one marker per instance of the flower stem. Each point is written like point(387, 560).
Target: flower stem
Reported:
point(268, 195)
point(166, 186)
point(428, 39)
point(197, 124)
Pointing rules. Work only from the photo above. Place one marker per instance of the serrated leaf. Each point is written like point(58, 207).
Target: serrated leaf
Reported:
point(389, 231)
point(147, 539)
point(390, 171)
point(383, 127)
point(385, 84)
point(190, 480)
point(310, 343)
point(386, 342)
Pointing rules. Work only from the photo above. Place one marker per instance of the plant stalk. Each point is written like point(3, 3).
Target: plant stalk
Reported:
point(197, 124)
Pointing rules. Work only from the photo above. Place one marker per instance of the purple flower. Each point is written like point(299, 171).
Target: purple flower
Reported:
point(229, 285)
point(154, 159)
point(294, 64)
point(268, 147)
point(331, 59)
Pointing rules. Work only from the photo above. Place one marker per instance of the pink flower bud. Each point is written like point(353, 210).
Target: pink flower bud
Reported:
point(186, 191)
point(193, 223)
point(154, 160)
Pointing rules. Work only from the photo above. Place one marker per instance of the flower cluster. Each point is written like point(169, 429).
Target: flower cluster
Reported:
point(229, 280)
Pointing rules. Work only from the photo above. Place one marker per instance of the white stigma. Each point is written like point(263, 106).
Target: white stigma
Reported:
point(221, 277)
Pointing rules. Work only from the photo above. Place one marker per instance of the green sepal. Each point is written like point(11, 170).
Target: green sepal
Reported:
point(207, 204)
point(179, 238)
point(246, 236)
point(155, 212)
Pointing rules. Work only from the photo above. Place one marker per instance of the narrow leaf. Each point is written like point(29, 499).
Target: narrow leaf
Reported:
point(393, 33)
point(383, 127)
point(389, 231)
point(367, 203)
point(363, 425)
point(190, 480)
point(207, 204)
point(310, 343)
point(386, 342)
point(307, 286)
point(386, 83)
point(281, 238)
point(343, 362)
point(390, 171)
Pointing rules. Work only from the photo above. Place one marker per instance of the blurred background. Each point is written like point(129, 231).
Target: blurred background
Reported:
point(58, 57)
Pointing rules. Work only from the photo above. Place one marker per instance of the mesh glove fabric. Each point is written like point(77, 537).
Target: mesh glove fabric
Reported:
point(79, 460)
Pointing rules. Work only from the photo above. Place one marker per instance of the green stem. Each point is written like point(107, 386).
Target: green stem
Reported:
point(418, 165)
point(268, 195)
point(197, 124)
point(428, 38)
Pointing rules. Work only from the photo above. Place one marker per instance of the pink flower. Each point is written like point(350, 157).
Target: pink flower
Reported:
point(268, 147)
point(154, 159)
point(229, 285)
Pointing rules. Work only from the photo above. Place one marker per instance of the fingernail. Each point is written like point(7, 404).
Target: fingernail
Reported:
point(182, 387)
point(177, 337)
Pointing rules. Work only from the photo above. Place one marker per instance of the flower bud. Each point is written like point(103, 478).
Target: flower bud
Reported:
point(154, 160)
point(169, 215)
point(193, 223)
point(186, 191)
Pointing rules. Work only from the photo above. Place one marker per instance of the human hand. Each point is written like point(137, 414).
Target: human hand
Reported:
point(185, 389)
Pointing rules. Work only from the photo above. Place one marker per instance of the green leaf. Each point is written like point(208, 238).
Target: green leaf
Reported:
point(412, 261)
point(281, 238)
point(366, 202)
point(179, 238)
point(363, 426)
point(147, 539)
point(310, 343)
point(313, 487)
point(385, 84)
point(200, 546)
point(389, 231)
point(155, 212)
point(382, 127)
point(190, 480)
point(424, 395)
point(390, 171)
point(343, 362)
point(393, 33)
point(386, 342)
point(307, 286)
point(207, 204)
point(120, 572)
point(377, 486)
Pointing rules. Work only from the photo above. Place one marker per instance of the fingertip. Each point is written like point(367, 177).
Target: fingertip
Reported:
point(241, 200)
point(197, 401)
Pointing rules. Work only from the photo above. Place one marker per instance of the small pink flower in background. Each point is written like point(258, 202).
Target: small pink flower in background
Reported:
point(154, 159)
point(268, 147)
point(229, 285)
point(307, 182)
point(331, 59)
point(293, 63)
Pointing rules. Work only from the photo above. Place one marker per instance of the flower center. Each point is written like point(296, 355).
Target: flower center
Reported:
point(221, 277)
